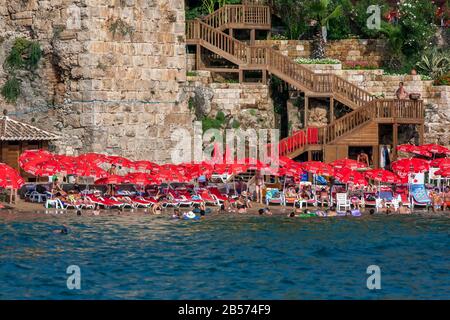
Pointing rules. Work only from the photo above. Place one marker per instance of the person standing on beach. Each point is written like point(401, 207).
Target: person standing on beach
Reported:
point(259, 182)
point(111, 171)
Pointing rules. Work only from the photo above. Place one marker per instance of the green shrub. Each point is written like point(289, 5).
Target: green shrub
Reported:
point(443, 80)
point(434, 64)
point(11, 90)
point(236, 124)
point(213, 123)
point(24, 54)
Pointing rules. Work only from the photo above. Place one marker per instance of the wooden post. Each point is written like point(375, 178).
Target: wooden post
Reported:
point(394, 140)
point(375, 156)
point(241, 75)
point(198, 58)
point(252, 37)
point(230, 32)
point(264, 76)
point(269, 35)
point(331, 109)
point(306, 110)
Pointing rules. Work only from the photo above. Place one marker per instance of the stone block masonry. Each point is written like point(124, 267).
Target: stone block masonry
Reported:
point(112, 75)
point(248, 103)
point(349, 51)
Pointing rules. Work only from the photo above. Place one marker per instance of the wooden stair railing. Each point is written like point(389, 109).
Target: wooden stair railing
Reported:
point(376, 110)
point(241, 15)
point(217, 41)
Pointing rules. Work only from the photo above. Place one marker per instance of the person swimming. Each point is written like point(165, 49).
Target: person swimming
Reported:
point(63, 230)
point(291, 215)
point(176, 214)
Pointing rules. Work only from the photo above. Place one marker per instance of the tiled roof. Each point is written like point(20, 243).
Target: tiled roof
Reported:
point(13, 130)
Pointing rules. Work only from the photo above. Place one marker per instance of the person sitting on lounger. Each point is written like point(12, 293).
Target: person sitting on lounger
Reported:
point(323, 196)
point(56, 189)
point(241, 205)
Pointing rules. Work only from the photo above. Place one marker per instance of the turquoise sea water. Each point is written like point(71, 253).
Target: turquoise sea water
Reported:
point(224, 257)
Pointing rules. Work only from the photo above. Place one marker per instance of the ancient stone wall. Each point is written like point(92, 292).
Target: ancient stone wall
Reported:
point(247, 103)
point(349, 51)
point(112, 75)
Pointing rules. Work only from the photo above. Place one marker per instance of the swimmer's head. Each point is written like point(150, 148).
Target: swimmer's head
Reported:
point(261, 211)
point(292, 214)
point(372, 211)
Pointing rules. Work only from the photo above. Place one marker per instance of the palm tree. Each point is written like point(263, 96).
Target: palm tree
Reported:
point(321, 12)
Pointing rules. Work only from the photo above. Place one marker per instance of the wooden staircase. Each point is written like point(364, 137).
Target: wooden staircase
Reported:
point(366, 109)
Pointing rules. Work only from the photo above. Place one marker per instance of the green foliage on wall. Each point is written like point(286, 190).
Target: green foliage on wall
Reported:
point(24, 54)
point(11, 90)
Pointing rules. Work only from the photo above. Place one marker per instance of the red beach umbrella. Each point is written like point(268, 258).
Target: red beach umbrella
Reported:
point(317, 167)
point(410, 148)
point(435, 148)
point(9, 177)
point(47, 168)
point(93, 158)
point(112, 179)
point(442, 163)
point(443, 172)
point(346, 175)
point(85, 169)
point(143, 165)
point(34, 155)
point(139, 178)
point(381, 175)
point(348, 163)
point(412, 165)
point(121, 161)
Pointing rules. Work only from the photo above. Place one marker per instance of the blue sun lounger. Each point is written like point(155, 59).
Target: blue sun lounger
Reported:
point(419, 195)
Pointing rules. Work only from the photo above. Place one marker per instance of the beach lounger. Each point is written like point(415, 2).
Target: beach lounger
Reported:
point(104, 202)
point(420, 195)
point(274, 196)
point(220, 197)
point(181, 200)
point(126, 200)
point(208, 198)
point(37, 197)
